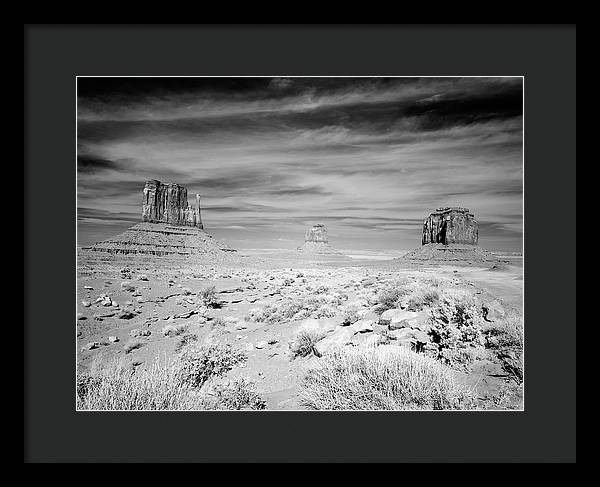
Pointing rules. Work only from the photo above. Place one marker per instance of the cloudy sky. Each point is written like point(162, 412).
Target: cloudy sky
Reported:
point(368, 157)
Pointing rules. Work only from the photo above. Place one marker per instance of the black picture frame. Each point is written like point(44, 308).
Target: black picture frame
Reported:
point(55, 54)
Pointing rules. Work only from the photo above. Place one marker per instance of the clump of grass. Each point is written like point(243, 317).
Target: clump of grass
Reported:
point(388, 299)
point(197, 364)
point(304, 344)
point(118, 387)
point(209, 297)
point(385, 377)
point(507, 333)
point(134, 344)
point(238, 394)
point(422, 298)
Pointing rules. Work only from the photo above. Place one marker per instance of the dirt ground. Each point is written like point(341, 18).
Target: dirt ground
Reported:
point(119, 296)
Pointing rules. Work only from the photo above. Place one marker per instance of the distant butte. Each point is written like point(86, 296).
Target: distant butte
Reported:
point(451, 235)
point(170, 226)
point(317, 242)
point(451, 225)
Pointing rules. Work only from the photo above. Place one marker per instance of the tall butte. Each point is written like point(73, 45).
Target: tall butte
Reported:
point(317, 242)
point(451, 234)
point(168, 203)
point(170, 226)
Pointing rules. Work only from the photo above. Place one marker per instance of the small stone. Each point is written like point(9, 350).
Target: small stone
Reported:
point(127, 286)
point(142, 277)
point(125, 315)
point(260, 345)
point(113, 339)
point(86, 304)
point(81, 316)
point(363, 326)
point(88, 287)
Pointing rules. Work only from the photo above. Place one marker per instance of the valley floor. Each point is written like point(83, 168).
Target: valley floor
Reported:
point(156, 305)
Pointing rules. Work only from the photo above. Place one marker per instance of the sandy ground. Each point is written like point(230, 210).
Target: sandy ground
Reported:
point(169, 295)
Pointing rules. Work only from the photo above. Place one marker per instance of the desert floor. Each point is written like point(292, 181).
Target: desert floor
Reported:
point(120, 298)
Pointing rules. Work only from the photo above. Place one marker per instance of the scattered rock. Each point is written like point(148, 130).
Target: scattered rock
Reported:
point(127, 286)
point(493, 311)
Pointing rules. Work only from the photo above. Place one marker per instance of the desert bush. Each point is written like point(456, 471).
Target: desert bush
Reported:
point(508, 333)
point(385, 377)
point(304, 343)
point(238, 394)
point(218, 322)
point(185, 340)
point(457, 320)
point(85, 383)
point(388, 299)
point(421, 298)
point(119, 387)
point(512, 363)
point(209, 297)
point(134, 344)
point(350, 315)
point(197, 364)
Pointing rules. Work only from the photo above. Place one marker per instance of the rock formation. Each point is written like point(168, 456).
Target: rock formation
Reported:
point(316, 233)
point(316, 241)
point(450, 225)
point(170, 226)
point(168, 203)
point(451, 235)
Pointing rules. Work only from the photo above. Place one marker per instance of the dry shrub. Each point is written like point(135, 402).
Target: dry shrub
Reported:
point(350, 315)
point(197, 364)
point(174, 384)
point(382, 378)
point(209, 297)
point(121, 388)
point(457, 325)
point(388, 299)
point(185, 340)
point(236, 395)
point(304, 343)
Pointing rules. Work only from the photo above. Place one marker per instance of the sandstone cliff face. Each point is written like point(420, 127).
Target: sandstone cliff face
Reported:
point(168, 203)
point(448, 226)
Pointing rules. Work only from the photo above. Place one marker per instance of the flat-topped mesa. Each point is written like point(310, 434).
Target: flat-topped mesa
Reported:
point(317, 233)
point(168, 203)
point(449, 226)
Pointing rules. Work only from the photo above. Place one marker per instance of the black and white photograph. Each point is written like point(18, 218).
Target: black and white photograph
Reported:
point(299, 243)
